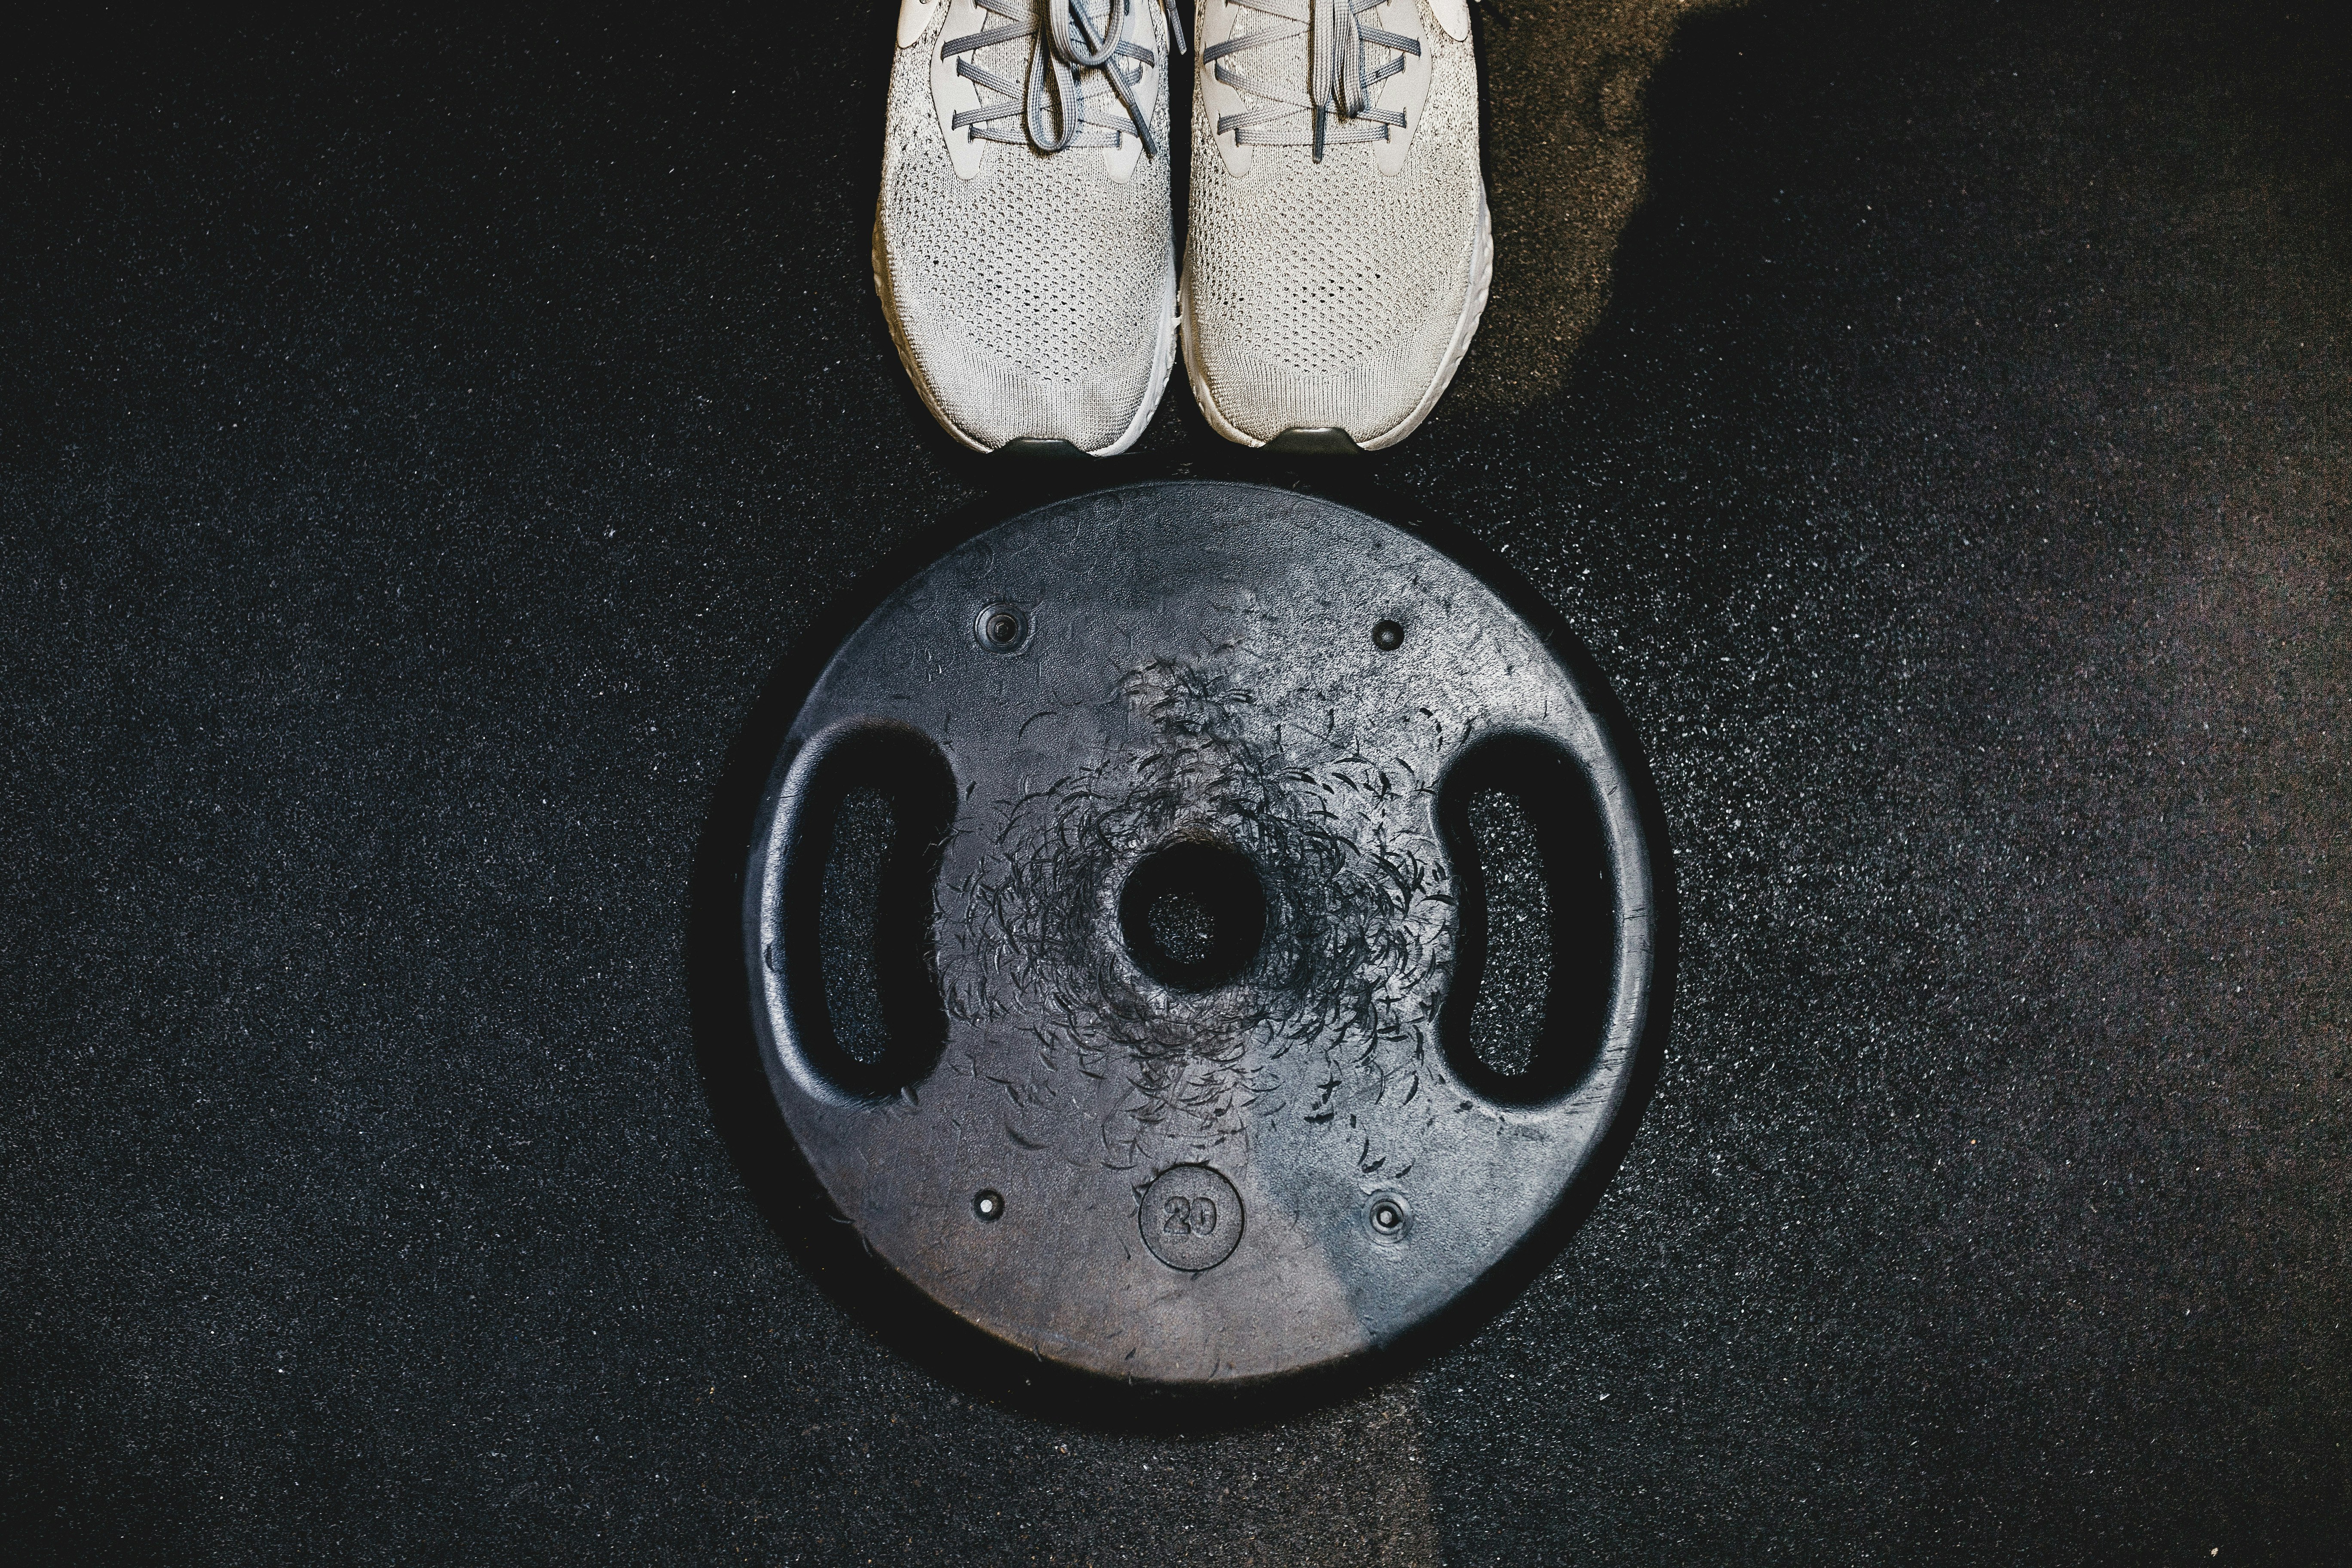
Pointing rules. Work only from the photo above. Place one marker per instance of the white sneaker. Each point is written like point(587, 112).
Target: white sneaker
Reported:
point(1340, 251)
point(1021, 245)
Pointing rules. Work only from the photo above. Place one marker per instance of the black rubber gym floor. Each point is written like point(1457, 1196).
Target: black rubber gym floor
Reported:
point(422, 442)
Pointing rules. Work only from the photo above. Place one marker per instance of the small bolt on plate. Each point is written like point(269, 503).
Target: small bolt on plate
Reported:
point(1152, 1030)
point(1389, 1214)
point(1002, 628)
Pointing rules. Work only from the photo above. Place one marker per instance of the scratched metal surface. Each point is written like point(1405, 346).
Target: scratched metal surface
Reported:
point(422, 436)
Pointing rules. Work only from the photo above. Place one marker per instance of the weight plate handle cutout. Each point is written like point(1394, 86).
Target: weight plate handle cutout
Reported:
point(863, 816)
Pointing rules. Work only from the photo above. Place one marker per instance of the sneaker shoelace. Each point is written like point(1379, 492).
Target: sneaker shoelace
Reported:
point(1050, 110)
point(1337, 106)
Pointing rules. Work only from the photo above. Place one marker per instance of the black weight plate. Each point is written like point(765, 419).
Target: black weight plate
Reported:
point(1177, 1087)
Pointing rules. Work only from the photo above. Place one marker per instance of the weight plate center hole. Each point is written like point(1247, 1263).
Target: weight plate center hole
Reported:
point(1193, 915)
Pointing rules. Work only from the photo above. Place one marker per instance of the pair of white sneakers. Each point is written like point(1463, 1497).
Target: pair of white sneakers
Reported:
point(1338, 258)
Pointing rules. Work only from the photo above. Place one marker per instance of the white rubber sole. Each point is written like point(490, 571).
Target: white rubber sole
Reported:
point(1473, 307)
point(1163, 360)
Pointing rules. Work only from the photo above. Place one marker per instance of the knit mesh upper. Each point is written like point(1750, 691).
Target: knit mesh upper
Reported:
point(1032, 297)
point(1328, 294)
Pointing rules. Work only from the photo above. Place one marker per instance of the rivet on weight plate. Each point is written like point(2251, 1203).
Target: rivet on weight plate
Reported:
point(1003, 629)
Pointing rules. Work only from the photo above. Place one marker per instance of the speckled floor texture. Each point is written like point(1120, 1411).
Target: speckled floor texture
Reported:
point(419, 444)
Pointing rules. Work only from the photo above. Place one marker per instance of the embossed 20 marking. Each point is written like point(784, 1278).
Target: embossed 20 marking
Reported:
point(1189, 1216)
